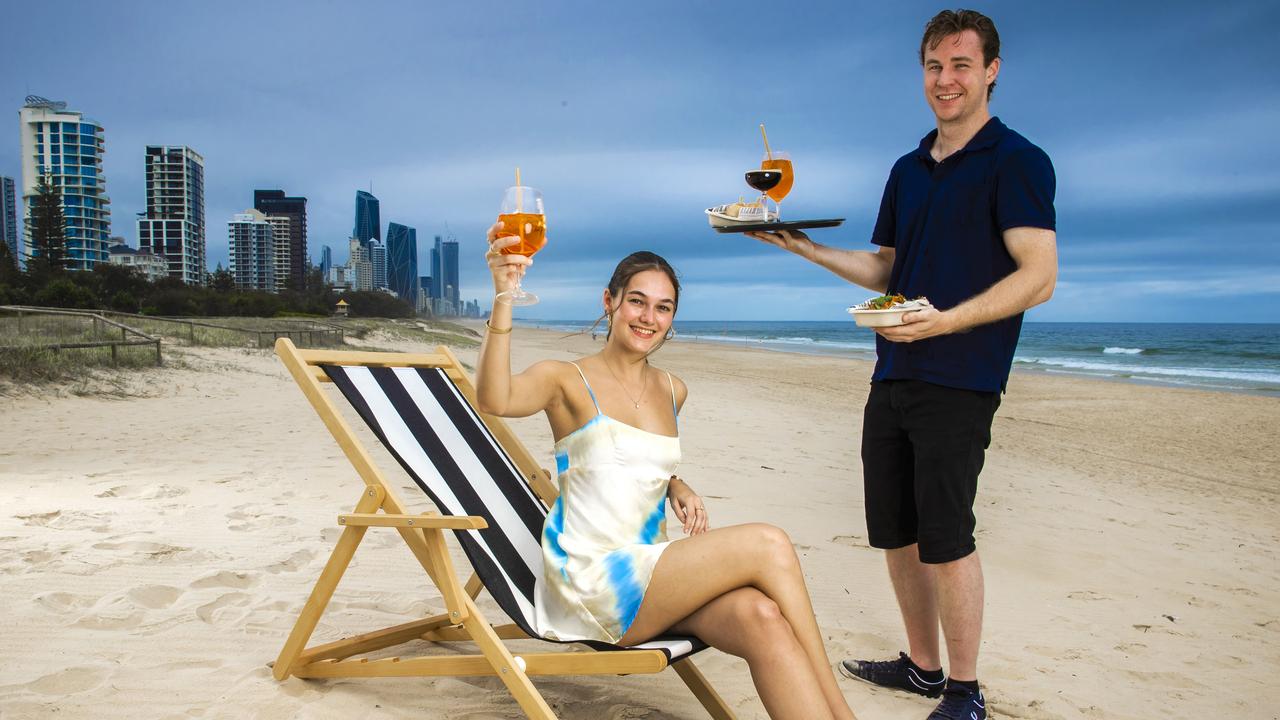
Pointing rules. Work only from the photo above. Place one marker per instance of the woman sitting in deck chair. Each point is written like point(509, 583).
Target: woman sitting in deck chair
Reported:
point(609, 572)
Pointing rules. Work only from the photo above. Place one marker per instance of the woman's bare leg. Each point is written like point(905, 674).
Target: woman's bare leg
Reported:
point(746, 623)
point(695, 570)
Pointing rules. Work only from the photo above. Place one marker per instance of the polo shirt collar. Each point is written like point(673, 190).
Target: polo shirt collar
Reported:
point(989, 135)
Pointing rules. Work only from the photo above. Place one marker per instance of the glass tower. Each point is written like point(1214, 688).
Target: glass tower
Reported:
point(68, 148)
point(402, 261)
point(368, 223)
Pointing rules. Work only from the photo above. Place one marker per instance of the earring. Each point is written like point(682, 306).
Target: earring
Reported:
point(671, 332)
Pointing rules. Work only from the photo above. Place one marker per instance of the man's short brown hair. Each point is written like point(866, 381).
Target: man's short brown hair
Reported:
point(952, 22)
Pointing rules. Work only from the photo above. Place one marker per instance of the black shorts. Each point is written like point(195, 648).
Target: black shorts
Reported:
point(922, 449)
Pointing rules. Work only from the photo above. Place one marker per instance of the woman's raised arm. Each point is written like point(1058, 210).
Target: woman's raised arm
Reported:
point(498, 392)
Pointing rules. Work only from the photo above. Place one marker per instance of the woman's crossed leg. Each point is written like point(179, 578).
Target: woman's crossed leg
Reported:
point(740, 589)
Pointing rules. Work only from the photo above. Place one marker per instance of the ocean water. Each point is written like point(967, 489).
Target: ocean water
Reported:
point(1229, 357)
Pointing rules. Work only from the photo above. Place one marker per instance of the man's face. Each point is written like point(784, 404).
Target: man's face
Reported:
point(955, 81)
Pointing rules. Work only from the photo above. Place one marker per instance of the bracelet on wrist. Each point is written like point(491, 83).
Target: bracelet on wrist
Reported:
point(496, 331)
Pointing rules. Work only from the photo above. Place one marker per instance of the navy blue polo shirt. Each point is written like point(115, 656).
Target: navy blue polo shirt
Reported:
point(944, 221)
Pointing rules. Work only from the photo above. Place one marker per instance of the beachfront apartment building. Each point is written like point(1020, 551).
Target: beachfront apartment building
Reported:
point(326, 260)
point(66, 147)
point(152, 266)
point(173, 225)
point(276, 203)
point(8, 217)
point(282, 226)
point(253, 241)
point(402, 261)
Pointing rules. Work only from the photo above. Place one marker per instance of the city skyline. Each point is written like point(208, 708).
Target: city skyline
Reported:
point(1146, 194)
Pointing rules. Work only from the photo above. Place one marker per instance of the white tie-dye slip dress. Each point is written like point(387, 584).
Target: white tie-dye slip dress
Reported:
point(605, 532)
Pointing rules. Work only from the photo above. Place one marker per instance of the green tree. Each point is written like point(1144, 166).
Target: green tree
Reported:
point(377, 304)
point(222, 280)
point(9, 272)
point(48, 232)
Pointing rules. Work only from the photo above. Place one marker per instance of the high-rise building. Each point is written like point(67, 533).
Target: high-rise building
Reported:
point(8, 217)
point(378, 259)
point(274, 202)
point(173, 225)
point(368, 225)
point(326, 260)
point(67, 147)
point(449, 268)
point(359, 268)
point(436, 274)
point(402, 261)
point(253, 251)
point(444, 276)
point(282, 227)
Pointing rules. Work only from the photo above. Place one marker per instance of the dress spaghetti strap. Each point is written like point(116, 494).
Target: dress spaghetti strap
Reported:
point(674, 410)
point(589, 392)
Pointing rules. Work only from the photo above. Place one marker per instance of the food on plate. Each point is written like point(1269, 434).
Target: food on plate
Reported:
point(893, 302)
point(740, 213)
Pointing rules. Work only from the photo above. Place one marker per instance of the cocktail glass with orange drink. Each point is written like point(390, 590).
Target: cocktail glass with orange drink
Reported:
point(522, 216)
point(781, 161)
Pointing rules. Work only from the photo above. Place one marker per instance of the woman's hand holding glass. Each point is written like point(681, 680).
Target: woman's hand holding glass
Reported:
point(506, 269)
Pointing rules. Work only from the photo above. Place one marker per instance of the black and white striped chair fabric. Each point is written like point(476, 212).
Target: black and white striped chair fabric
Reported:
point(431, 429)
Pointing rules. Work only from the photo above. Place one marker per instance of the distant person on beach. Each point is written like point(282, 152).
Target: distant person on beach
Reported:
point(609, 572)
point(967, 220)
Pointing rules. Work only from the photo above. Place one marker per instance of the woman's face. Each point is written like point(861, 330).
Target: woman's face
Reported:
point(643, 313)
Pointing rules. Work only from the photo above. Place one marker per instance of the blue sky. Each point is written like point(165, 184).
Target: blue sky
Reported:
point(631, 118)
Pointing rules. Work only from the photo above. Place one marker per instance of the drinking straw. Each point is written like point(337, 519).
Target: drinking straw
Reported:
point(766, 142)
point(519, 195)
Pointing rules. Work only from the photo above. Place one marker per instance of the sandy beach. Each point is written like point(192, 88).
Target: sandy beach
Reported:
point(155, 549)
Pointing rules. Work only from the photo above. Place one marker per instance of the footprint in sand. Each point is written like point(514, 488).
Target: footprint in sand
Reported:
point(242, 521)
point(39, 519)
point(850, 540)
point(227, 579)
point(226, 609)
point(146, 492)
point(154, 552)
point(61, 602)
point(119, 614)
point(154, 597)
point(293, 563)
point(69, 681)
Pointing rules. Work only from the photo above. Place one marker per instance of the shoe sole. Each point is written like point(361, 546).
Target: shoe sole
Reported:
point(922, 693)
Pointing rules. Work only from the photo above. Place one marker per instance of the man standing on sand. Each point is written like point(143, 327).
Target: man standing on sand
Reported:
point(967, 220)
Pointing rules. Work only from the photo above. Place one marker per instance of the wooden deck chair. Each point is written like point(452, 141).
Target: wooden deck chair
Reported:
point(489, 492)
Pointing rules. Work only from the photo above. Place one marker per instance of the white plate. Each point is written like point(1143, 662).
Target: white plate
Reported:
point(887, 317)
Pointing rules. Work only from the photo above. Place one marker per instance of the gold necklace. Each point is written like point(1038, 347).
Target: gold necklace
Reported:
point(643, 385)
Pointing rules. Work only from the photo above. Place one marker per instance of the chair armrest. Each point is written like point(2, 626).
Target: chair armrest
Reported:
point(443, 522)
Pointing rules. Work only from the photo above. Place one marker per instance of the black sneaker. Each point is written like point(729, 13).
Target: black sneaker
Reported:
point(901, 674)
point(960, 704)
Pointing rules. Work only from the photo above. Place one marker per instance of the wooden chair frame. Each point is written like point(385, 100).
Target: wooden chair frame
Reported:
point(379, 506)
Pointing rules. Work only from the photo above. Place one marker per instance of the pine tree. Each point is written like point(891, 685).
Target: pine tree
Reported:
point(48, 231)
